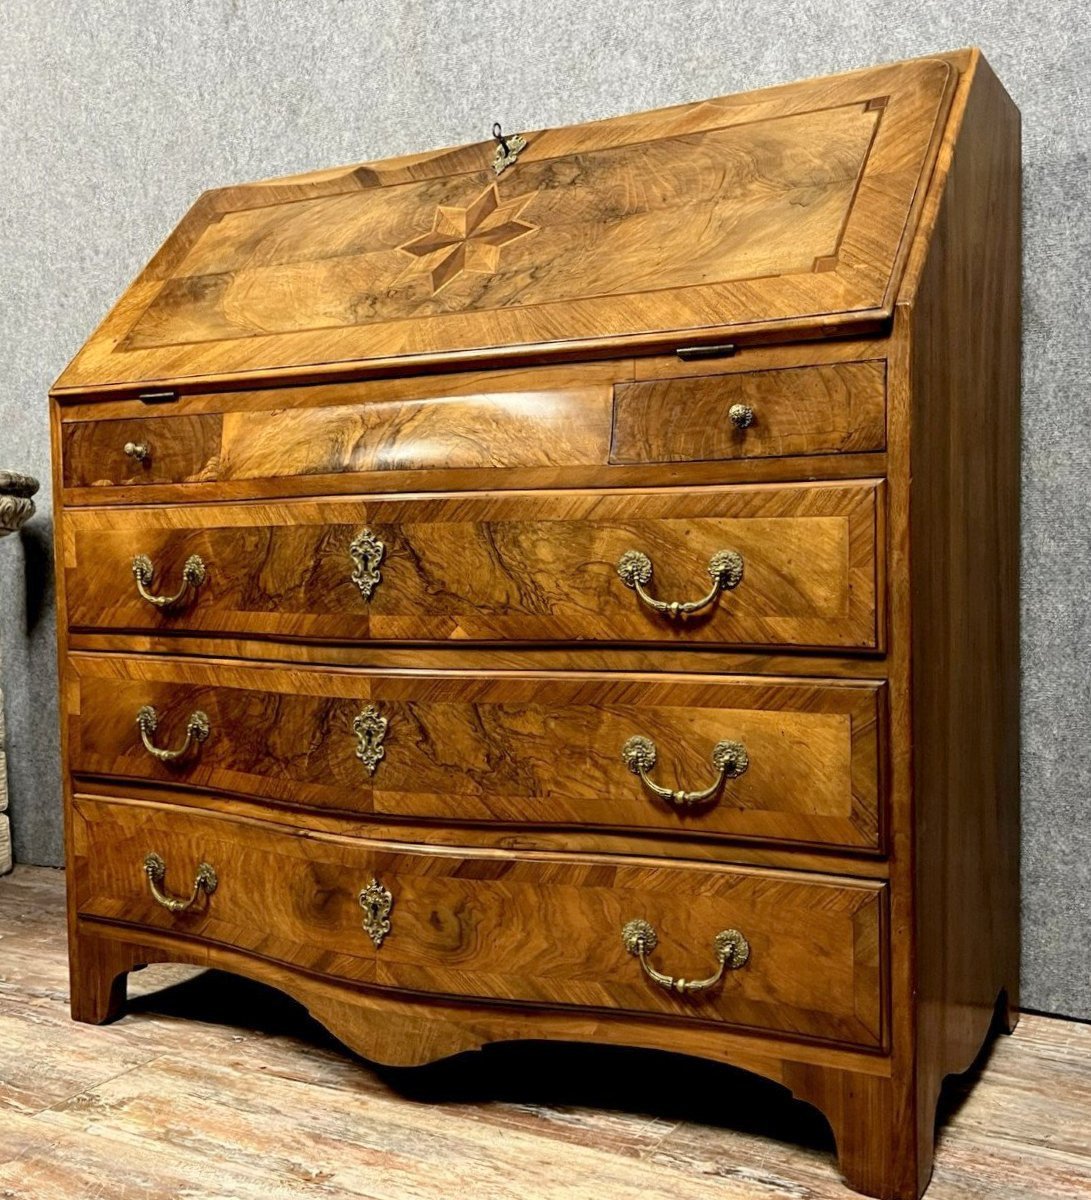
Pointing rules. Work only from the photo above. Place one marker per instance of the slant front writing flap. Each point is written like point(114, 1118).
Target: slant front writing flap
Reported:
point(790, 208)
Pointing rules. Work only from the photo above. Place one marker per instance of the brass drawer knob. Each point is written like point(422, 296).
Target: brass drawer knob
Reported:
point(138, 451)
point(194, 574)
point(376, 901)
point(197, 731)
point(741, 415)
point(725, 569)
point(155, 869)
point(732, 951)
point(729, 758)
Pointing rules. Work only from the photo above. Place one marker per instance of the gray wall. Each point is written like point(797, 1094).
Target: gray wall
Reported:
point(116, 115)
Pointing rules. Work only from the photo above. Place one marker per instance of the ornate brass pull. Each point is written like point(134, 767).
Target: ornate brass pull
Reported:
point(730, 947)
point(729, 758)
point(725, 568)
point(197, 730)
point(156, 869)
point(193, 575)
point(138, 451)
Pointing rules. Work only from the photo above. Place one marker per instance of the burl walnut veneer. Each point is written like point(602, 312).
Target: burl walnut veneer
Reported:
point(567, 588)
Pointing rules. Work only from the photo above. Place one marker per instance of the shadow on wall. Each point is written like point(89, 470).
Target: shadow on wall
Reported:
point(36, 539)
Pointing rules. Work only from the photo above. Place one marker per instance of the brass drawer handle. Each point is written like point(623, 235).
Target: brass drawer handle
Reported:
point(156, 869)
point(193, 575)
point(729, 758)
point(197, 730)
point(138, 451)
point(730, 947)
point(725, 568)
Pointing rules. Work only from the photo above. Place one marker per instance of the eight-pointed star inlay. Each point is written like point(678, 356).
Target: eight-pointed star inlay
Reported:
point(470, 238)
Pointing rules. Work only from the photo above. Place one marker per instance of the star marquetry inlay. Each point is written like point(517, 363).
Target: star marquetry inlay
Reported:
point(469, 239)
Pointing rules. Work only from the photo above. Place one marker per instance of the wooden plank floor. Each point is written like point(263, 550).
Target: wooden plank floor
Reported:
point(213, 1087)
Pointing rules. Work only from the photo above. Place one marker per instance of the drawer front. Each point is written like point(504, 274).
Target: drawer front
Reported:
point(549, 417)
point(141, 449)
point(537, 929)
point(833, 409)
point(530, 567)
point(509, 750)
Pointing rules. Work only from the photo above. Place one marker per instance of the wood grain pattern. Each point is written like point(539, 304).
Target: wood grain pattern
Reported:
point(649, 840)
point(253, 1100)
point(183, 449)
point(554, 417)
point(805, 197)
point(547, 427)
point(965, 340)
point(502, 750)
point(537, 567)
point(798, 410)
point(699, 660)
point(502, 927)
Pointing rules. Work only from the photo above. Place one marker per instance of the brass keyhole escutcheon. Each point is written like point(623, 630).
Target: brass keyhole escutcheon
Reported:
point(377, 902)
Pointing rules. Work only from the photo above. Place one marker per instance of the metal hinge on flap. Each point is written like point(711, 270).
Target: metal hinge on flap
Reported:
point(696, 353)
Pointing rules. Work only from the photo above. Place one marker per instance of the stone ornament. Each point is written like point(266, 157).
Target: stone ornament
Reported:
point(16, 508)
point(16, 505)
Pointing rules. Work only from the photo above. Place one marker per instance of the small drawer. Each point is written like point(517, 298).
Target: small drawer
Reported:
point(785, 952)
point(798, 565)
point(781, 761)
point(142, 449)
point(835, 408)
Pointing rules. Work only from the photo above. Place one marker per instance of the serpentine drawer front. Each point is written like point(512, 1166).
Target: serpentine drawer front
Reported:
point(741, 757)
point(567, 587)
point(796, 565)
point(544, 930)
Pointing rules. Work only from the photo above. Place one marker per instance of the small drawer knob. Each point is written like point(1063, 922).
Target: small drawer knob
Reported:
point(138, 451)
point(742, 416)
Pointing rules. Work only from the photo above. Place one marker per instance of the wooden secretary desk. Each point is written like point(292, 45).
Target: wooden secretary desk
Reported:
point(566, 587)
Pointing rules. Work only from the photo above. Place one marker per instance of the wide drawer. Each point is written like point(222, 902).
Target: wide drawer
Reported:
point(797, 565)
point(541, 418)
point(802, 765)
point(537, 929)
